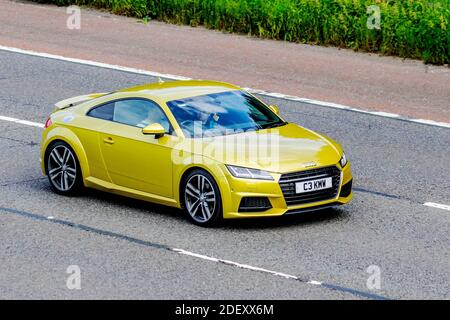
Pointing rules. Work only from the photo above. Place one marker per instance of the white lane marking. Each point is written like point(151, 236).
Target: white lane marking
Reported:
point(437, 205)
point(243, 266)
point(344, 107)
point(25, 122)
point(257, 91)
point(430, 122)
point(93, 63)
point(188, 253)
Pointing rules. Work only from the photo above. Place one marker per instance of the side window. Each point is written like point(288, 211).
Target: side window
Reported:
point(140, 113)
point(134, 112)
point(105, 112)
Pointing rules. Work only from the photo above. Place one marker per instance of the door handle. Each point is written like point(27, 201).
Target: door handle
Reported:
point(108, 141)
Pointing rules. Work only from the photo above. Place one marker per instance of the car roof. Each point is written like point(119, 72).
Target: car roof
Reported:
point(173, 90)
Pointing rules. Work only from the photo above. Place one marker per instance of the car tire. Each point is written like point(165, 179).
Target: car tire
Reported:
point(63, 169)
point(201, 199)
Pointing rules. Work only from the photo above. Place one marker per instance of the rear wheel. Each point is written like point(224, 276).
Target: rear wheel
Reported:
point(202, 199)
point(63, 169)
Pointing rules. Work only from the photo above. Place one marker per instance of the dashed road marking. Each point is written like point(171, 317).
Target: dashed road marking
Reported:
point(154, 245)
point(256, 91)
point(437, 205)
point(239, 265)
point(25, 122)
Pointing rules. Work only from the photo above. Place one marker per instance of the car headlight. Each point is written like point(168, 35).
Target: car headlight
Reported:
point(343, 160)
point(248, 173)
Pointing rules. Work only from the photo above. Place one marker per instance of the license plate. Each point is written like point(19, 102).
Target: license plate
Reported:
point(313, 185)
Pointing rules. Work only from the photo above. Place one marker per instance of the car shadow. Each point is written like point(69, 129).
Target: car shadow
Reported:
point(301, 219)
point(143, 207)
point(135, 204)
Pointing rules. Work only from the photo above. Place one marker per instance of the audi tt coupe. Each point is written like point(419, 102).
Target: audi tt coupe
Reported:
point(209, 148)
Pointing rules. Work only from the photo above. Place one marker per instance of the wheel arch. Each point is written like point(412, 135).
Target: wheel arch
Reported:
point(67, 136)
point(216, 174)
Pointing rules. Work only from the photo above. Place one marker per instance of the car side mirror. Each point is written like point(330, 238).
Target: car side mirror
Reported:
point(275, 109)
point(155, 129)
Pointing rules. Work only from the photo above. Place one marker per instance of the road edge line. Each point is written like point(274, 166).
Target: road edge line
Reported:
point(256, 91)
point(437, 205)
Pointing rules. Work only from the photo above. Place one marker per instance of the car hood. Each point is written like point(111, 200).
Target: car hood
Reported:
point(282, 149)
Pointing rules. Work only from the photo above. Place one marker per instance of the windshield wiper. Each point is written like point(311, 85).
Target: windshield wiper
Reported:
point(274, 125)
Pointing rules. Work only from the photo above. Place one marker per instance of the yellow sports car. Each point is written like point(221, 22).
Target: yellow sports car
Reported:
point(207, 147)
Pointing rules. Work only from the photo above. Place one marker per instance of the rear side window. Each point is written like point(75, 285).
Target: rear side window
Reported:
point(105, 112)
point(134, 112)
point(139, 113)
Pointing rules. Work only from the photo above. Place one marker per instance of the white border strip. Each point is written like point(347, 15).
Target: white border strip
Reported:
point(25, 122)
point(256, 91)
point(92, 63)
point(347, 108)
point(244, 266)
point(437, 205)
point(278, 274)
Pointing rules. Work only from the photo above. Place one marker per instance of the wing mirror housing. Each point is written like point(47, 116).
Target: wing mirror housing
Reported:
point(275, 109)
point(155, 129)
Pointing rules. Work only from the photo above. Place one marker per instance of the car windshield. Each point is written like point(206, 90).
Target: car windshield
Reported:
point(222, 113)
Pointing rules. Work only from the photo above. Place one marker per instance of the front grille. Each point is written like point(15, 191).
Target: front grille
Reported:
point(288, 180)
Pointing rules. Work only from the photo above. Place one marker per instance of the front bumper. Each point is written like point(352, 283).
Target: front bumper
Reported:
point(237, 189)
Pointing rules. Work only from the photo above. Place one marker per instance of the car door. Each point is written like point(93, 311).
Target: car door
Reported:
point(87, 132)
point(134, 160)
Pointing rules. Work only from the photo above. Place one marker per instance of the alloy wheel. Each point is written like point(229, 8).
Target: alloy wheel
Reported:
point(200, 198)
point(62, 168)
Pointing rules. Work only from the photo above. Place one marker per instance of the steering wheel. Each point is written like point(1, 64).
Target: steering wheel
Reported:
point(186, 123)
point(210, 123)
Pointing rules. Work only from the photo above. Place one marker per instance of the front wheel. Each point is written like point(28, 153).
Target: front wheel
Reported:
point(202, 199)
point(63, 169)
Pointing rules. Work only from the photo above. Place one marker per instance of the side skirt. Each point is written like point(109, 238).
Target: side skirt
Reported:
point(102, 185)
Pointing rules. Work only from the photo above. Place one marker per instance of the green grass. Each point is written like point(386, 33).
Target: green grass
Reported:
point(417, 29)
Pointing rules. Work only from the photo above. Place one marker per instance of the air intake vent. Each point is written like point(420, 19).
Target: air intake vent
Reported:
point(254, 204)
point(346, 189)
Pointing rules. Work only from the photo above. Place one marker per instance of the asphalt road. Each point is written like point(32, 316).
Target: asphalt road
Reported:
point(121, 245)
point(362, 80)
